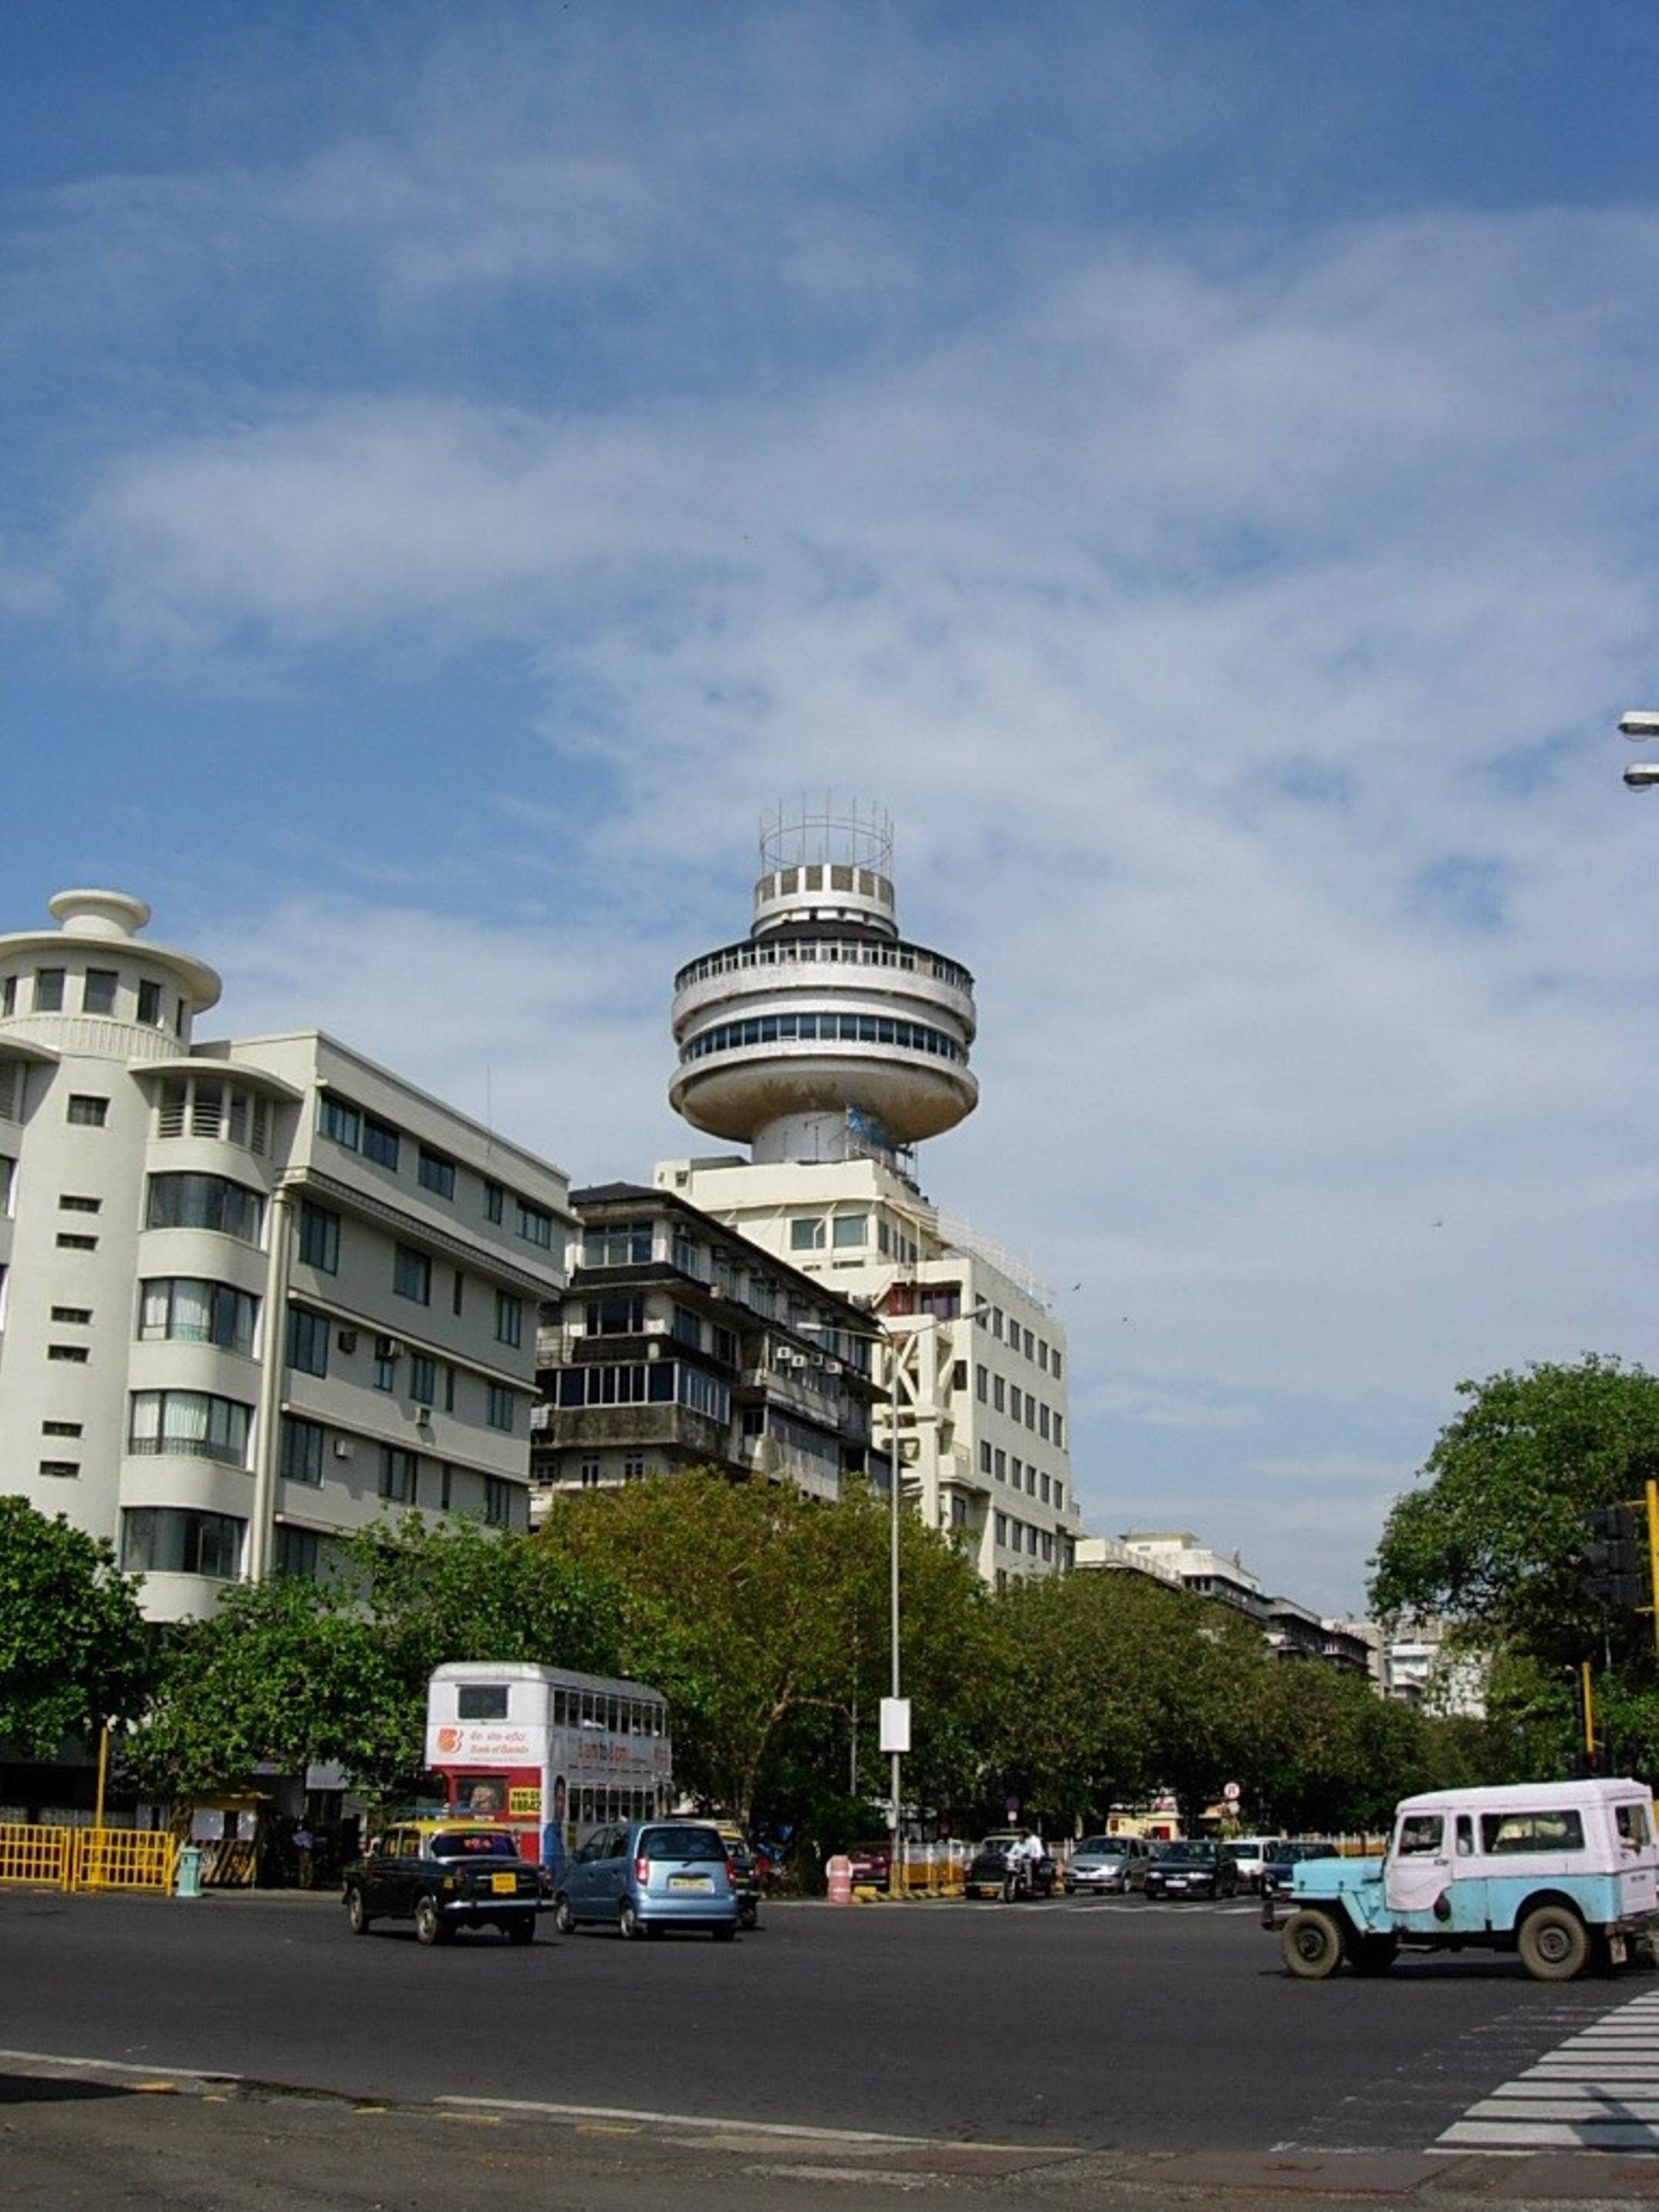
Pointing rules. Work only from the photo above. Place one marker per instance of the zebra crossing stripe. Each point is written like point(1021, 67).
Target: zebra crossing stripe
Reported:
point(1597, 2091)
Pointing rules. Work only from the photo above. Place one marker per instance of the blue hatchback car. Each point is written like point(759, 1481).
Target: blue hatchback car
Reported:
point(647, 1877)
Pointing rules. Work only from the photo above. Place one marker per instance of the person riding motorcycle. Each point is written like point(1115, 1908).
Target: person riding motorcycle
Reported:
point(1020, 1876)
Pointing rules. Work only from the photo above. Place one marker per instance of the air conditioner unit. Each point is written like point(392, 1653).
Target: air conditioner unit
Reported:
point(347, 1339)
point(422, 1415)
point(343, 1448)
point(388, 1347)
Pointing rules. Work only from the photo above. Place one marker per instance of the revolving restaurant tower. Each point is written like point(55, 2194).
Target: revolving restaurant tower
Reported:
point(831, 1047)
point(823, 1035)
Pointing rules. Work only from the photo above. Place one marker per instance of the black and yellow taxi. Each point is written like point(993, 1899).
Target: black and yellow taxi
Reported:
point(444, 1874)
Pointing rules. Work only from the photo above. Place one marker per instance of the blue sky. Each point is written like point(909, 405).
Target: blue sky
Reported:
point(1193, 466)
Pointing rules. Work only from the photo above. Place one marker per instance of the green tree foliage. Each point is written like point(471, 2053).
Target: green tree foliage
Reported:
point(299, 1672)
point(1490, 1541)
point(762, 1613)
point(73, 1646)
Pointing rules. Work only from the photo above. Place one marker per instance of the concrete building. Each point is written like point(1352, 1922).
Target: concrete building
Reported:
point(831, 1046)
point(1174, 1557)
point(678, 1344)
point(253, 1291)
point(1222, 1575)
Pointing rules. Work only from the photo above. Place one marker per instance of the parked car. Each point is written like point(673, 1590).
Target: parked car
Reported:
point(1106, 1866)
point(647, 1877)
point(743, 1871)
point(1283, 1858)
point(1194, 1870)
point(443, 1875)
point(988, 1868)
point(1251, 1855)
point(1561, 1873)
point(872, 1863)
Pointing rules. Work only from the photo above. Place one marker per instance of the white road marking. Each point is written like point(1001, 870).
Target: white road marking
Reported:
point(1597, 2091)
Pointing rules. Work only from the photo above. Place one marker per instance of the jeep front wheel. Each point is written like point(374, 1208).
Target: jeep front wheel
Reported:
point(1553, 1944)
point(1310, 1944)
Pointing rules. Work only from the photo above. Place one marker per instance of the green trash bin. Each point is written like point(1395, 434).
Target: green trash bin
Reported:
point(188, 1881)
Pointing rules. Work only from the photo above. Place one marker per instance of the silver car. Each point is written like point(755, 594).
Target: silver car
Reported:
point(1108, 1866)
point(647, 1877)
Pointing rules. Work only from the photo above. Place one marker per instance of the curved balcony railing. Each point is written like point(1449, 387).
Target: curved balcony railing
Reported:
point(822, 1029)
point(844, 952)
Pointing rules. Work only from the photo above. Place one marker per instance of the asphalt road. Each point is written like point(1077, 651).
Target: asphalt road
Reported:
point(1106, 2026)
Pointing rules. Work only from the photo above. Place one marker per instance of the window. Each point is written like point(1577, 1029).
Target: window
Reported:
point(150, 1005)
point(319, 1237)
point(1031, 1345)
point(379, 1143)
point(984, 1458)
point(615, 1316)
point(457, 1293)
point(996, 1322)
point(190, 1425)
point(480, 1701)
point(999, 1393)
point(297, 1553)
point(386, 1363)
point(398, 1475)
point(1505, 1833)
point(852, 1231)
point(341, 1121)
point(300, 1450)
point(64, 1470)
point(422, 1379)
point(1030, 1410)
point(60, 1428)
point(499, 1407)
point(999, 1464)
point(205, 1202)
point(981, 1383)
point(494, 1201)
point(626, 1245)
point(1419, 1836)
point(191, 1311)
point(411, 1275)
point(445, 1485)
point(163, 1540)
point(959, 1374)
point(97, 988)
point(76, 1316)
point(1060, 1496)
point(1054, 1361)
point(704, 1394)
point(686, 1328)
point(1059, 1426)
point(958, 1512)
point(307, 1340)
point(498, 1502)
point(86, 1112)
point(75, 1353)
point(1043, 1487)
point(449, 1387)
point(77, 1243)
point(1042, 1353)
point(535, 1224)
point(71, 1204)
point(436, 1173)
point(48, 990)
point(1634, 1830)
point(509, 1319)
point(806, 1233)
point(9, 998)
point(1015, 1397)
point(1002, 1528)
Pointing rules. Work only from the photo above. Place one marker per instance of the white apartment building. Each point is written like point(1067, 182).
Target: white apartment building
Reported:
point(831, 1046)
point(253, 1292)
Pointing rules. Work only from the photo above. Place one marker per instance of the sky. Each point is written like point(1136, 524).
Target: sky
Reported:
point(1193, 464)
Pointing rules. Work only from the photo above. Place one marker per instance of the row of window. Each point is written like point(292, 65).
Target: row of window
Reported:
point(1022, 1474)
point(208, 1107)
point(312, 1337)
point(1020, 1536)
point(302, 1453)
point(646, 1383)
point(1005, 1397)
point(845, 952)
point(828, 1029)
point(359, 1131)
point(1006, 1330)
point(100, 993)
point(632, 1244)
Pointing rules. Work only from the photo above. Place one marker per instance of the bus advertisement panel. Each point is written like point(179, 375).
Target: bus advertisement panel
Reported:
point(551, 1753)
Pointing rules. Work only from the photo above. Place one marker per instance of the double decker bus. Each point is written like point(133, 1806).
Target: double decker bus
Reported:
point(550, 1753)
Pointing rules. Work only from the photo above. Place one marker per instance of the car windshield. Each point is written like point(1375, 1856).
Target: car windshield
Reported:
point(1100, 1847)
point(1189, 1855)
point(681, 1844)
point(476, 1843)
point(1001, 1842)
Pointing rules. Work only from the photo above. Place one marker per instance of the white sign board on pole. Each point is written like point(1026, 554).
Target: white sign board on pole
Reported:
point(1233, 1793)
point(895, 1724)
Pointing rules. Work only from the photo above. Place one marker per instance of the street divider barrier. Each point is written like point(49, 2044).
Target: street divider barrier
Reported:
point(63, 1857)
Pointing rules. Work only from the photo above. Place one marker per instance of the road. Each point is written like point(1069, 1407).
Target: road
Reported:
point(1096, 2024)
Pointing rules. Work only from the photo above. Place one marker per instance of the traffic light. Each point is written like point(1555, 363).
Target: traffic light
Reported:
point(1614, 1561)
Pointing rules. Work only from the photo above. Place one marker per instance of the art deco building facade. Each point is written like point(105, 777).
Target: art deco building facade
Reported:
point(830, 1046)
point(253, 1292)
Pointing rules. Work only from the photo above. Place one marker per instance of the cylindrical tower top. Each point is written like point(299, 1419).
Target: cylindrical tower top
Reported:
point(824, 1033)
point(827, 866)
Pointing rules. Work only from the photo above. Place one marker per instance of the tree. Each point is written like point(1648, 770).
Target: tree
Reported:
point(73, 1646)
point(1492, 1542)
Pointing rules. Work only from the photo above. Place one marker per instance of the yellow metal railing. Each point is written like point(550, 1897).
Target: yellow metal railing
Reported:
point(63, 1857)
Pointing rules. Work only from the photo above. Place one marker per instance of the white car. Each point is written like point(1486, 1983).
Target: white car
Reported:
point(1251, 1853)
